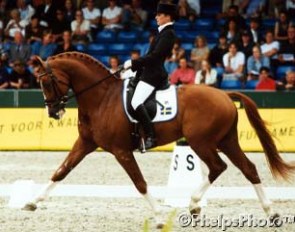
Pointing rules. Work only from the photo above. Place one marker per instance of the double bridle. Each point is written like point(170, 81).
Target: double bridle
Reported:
point(61, 100)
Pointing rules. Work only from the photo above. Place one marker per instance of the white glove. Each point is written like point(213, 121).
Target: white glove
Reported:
point(127, 64)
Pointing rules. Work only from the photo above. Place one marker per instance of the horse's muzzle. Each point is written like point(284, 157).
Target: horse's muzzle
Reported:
point(56, 114)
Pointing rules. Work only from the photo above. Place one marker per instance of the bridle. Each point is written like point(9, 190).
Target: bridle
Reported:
point(61, 99)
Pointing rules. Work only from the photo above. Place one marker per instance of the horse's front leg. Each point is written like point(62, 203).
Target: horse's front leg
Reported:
point(128, 162)
point(80, 149)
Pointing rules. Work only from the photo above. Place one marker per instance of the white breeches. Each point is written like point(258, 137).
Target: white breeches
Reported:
point(142, 92)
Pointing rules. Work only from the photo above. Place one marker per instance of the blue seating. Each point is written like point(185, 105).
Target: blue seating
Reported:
point(231, 84)
point(105, 36)
point(142, 47)
point(102, 59)
point(211, 36)
point(282, 70)
point(81, 47)
point(268, 23)
point(97, 49)
point(153, 24)
point(123, 58)
point(144, 36)
point(127, 37)
point(211, 12)
point(203, 24)
point(221, 23)
point(190, 37)
point(182, 25)
point(251, 84)
point(120, 49)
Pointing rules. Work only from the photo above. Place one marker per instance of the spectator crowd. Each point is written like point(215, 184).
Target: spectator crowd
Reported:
point(253, 46)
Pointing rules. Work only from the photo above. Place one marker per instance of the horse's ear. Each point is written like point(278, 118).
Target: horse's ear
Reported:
point(37, 61)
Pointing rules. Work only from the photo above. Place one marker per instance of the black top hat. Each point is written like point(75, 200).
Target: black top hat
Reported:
point(167, 8)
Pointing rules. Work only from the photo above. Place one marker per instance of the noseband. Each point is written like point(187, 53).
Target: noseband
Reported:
point(60, 99)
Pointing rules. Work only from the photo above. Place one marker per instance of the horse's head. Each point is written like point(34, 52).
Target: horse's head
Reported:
point(54, 86)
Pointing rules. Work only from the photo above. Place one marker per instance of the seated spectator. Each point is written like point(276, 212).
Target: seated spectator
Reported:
point(185, 11)
point(183, 74)
point(21, 77)
point(271, 47)
point(80, 29)
point(287, 49)
point(233, 13)
point(255, 30)
point(226, 5)
point(14, 25)
point(290, 6)
point(288, 83)
point(274, 7)
point(134, 16)
point(66, 45)
point(255, 62)
point(114, 63)
point(47, 48)
point(15, 80)
point(46, 13)
point(59, 26)
point(112, 16)
point(34, 31)
point(234, 63)
point(218, 51)
point(231, 31)
point(92, 14)
point(246, 43)
point(253, 7)
point(134, 55)
point(281, 27)
point(26, 11)
point(195, 5)
point(19, 49)
point(206, 75)
point(200, 52)
point(265, 81)
point(70, 11)
point(4, 81)
point(178, 52)
point(4, 13)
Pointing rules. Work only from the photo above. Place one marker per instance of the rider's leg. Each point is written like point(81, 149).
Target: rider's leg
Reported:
point(142, 92)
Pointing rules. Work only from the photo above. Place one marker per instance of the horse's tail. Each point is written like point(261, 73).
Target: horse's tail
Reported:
point(278, 167)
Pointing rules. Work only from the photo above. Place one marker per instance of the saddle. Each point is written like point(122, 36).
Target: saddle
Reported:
point(161, 105)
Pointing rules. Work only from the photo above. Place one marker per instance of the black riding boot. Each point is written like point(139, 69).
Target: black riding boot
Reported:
point(148, 127)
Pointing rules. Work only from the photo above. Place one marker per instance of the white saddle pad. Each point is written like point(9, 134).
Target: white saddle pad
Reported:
point(166, 106)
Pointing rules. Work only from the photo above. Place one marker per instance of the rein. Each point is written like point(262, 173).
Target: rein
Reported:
point(55, 87)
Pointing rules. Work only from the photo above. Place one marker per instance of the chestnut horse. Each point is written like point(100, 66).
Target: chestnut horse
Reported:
point(206, 117)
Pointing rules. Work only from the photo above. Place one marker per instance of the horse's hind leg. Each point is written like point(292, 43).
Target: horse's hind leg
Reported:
point(231, 148)
point(216, 166)
point(128, 162)
point(80, 149)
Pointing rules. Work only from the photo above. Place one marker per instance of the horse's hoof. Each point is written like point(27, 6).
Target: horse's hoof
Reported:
point(30, 207)
point(160, 226)
point(275, 219)
point(196, 212)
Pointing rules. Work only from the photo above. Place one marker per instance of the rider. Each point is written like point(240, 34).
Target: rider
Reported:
point(150, 68)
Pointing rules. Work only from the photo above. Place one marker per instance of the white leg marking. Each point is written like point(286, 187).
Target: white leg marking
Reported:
point(198, 194)
point(155, 207)
point(265, 202)
point(44, 193)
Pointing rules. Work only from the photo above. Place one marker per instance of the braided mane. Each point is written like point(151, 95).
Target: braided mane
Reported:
point(81, 56)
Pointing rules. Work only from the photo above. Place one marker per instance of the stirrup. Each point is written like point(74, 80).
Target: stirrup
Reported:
point(148, 144)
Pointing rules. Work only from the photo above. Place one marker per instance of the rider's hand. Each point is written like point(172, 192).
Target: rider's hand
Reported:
point(127, 64)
